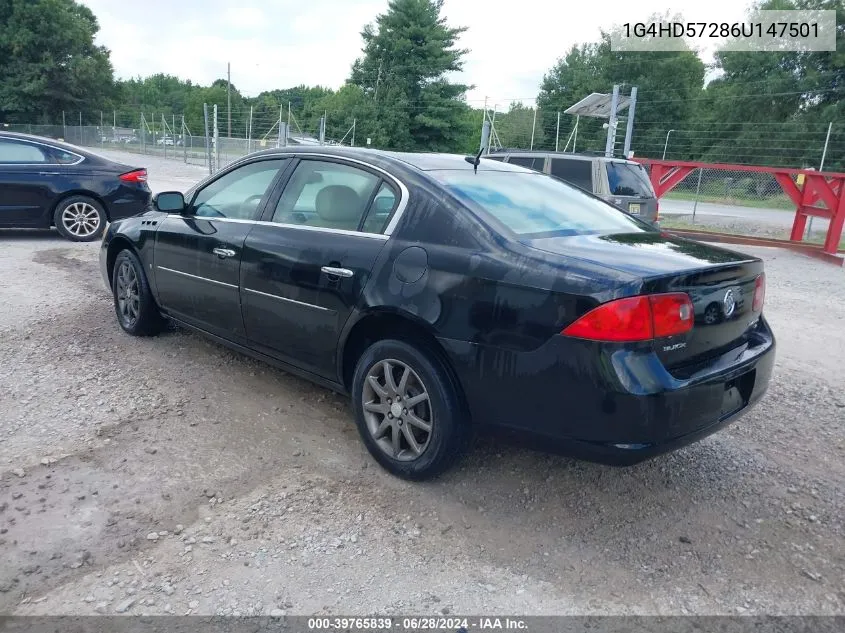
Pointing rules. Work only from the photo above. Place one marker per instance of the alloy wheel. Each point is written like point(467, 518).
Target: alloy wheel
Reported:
point(127, 295)
point(397, 410)
point(81, 219)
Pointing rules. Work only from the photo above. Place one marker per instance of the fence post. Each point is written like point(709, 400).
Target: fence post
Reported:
point(143, 134)
point(207, 139)
point(821, 168)
point(281, 125)
point(184, 141)
point(64, 126)
point(352, 143)
point(533, 125)
point(102, 136)
point(249, 133)
point(697, 190)
point(287, 129)
point(629, 131)
point(557, 131)
point(216, 141)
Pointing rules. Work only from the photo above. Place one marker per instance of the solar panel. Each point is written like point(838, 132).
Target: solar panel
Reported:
point(597, 105)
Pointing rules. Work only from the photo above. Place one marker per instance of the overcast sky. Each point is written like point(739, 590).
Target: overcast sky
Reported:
point(283, 43)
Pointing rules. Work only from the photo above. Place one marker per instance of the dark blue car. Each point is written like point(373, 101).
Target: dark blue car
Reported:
point(45, 183)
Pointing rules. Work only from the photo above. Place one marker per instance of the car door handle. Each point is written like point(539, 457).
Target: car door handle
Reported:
point(222, 253)
point(337, 272)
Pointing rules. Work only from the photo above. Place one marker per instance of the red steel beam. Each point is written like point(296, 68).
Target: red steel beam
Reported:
point(827, 188)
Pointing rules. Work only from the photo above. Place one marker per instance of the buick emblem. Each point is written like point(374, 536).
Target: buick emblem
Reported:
point(729, 303)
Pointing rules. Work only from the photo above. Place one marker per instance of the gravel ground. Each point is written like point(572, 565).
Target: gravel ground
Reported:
point(169, 475)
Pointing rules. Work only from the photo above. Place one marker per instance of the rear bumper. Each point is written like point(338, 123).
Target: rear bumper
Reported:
point(611, 404)
point(128, 201)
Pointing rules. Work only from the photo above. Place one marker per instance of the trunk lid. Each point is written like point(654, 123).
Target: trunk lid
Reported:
point(720, 283)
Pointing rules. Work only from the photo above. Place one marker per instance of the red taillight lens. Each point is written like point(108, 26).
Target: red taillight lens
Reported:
point(759, 293)
point(672, 314)
point(635, 319)
point(138, 175)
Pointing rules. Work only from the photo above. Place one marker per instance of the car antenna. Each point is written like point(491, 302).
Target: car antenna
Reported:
point(474, 160)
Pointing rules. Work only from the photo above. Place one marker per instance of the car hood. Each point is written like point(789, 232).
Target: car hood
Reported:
point(641, 254)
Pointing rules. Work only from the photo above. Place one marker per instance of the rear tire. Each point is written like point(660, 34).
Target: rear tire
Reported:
point(80, 219)
point(408, 410)
point(134, 305)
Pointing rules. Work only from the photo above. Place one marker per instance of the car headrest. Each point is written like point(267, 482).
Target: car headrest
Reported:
point(338, 203)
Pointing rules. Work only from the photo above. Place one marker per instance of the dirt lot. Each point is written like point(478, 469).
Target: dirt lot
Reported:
point(168, 475)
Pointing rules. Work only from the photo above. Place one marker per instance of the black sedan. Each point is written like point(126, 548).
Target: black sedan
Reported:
point(442, 294)
point(46, 183)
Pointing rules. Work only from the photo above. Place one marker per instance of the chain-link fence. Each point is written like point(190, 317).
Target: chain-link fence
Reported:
point(170, 138)
point(731, 188)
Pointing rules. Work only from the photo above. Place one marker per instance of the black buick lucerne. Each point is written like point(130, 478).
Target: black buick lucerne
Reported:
point(442, 292)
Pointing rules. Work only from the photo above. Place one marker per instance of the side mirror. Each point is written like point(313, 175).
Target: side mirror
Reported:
point(169, 202)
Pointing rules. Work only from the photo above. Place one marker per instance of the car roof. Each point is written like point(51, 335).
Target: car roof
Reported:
point(422, 161)
point(570, 155)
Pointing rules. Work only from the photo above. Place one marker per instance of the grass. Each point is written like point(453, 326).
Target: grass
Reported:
point(735, 200)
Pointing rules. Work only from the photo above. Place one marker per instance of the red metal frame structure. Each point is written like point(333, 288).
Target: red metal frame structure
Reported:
point(825, 187)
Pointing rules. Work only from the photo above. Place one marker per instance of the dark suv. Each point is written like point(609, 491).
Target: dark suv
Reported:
point(623, 183)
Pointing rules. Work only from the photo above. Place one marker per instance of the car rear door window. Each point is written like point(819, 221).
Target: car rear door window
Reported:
point(537, 163)
point(327, 195)
point(13, 152)
point(575, 172)
point(237, 194)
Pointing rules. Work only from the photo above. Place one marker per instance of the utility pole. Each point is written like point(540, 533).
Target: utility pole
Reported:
point(229, 97)
point(611, 123)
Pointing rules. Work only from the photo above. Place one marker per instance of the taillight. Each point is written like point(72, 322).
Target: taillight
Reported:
point(138, 175)
point(639, 318)
point(759, 293)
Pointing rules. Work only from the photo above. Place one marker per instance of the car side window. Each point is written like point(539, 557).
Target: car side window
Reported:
point(63, 157)
point(14, 152)
point(326, 195)
point(238, 193)
point(575, 172)
point(380, 211)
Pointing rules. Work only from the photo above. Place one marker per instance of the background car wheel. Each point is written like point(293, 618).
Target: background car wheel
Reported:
point(408, 411)
point(134, 305)
point(80, 218)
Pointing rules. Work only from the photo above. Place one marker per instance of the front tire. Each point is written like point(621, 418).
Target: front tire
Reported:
point(408, 410)
point(80, 219)
point(134, 305)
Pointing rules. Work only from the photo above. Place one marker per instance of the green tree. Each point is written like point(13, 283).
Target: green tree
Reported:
point(407, 54)
point(48, 60)
point(668, 85)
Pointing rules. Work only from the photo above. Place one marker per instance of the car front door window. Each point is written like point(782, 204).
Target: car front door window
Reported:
point(237, 194)
point(326, 195)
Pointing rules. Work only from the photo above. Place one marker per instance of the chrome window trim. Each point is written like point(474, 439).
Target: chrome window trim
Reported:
point(52, 147)
point(303, 227)
point(184, 274)
point(388, 230)
point(285, 299)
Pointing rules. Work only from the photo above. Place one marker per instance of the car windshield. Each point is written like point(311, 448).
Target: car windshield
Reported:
point(628, 179)
point(529, 203)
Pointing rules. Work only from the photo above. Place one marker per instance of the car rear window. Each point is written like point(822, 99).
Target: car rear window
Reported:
point(529, 203)
point(628, 179)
